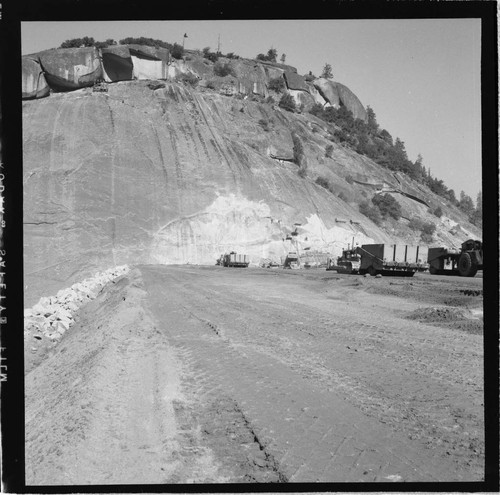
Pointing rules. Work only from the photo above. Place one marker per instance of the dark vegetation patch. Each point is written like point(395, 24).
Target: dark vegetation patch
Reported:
point(433, 314)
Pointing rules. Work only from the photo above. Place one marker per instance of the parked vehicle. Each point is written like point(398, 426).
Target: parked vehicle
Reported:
point(396, 259)
point(233, 260)
point(292, 260)
point(348, 262)
point(465, 261)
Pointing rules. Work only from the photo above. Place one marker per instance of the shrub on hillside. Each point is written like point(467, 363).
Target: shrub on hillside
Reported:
point(371, 212)
point(212, 56)
point(427, 229)
point(86, 41)
point(299, 156)
point(387, 205)
point(222, 69)
point(323, 182)
point(177, 51)
point(276, 84)
point(343, 197)
point(264, 124)
point(287, 103)
point(438, 212)
point(188, 78)
point(329, 151)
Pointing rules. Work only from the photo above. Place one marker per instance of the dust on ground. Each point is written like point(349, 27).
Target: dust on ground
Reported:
point(186, 374)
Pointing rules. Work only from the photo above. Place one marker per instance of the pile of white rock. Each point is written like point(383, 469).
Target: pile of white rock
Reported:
point(53, 315)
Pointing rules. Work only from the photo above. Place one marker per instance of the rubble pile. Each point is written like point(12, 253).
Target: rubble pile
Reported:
point(53, 315)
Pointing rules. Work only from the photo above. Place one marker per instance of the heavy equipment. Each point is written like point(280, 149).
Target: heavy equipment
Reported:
point(292, 260)
point(348, 262)
point(465, 261)
point(233, 260)
point(394, 259)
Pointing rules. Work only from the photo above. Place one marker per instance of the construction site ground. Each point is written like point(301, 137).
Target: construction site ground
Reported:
point(192, 374)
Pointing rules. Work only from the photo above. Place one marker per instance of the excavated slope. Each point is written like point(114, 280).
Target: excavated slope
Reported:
point(176, 175)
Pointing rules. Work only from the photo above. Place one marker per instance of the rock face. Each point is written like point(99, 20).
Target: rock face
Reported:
point(337, 94)
point(34, 83)
point(328, 90)
point(351, 102)
point(295, 81)
point(151, 172)
point(165, 176)
point(71, 68)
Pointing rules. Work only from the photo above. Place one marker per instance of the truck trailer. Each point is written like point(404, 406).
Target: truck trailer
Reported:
point(465, 261)
point(395, 259)
point(234, 260)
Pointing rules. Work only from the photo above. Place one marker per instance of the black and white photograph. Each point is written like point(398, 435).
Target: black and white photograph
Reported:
point(253, 252)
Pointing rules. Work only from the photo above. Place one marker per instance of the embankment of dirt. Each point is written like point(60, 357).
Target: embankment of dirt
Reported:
point(48, 320)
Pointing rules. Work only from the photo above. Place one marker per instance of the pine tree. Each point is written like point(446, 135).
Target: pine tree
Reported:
point(327, 72)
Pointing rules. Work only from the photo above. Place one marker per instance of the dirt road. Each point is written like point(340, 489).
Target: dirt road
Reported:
point(209, 374)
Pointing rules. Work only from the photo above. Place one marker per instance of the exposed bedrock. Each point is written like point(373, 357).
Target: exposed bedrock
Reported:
point(165, 176)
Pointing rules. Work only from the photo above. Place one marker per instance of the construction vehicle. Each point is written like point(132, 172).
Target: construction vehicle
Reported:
point(392, 259)
point(348, 262)
point(465, 261)
point(292, 260)
point(233, 260)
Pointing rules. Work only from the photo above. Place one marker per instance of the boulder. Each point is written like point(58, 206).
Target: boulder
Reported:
point(302, 98)
point(34, 83)
point(117, 63)
point(337, 94)
point(251, 77)
point(67, 69)
point(351, 102)
point(328, 90)
point(316, 95)
point(295, 81)
point(273, 72)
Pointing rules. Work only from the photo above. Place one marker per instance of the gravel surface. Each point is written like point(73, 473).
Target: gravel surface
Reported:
point(187, 374)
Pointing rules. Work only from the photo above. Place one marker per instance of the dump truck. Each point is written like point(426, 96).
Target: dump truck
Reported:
point(465, 261)
point(348, 262)
point(234, 260)
point(392, 259)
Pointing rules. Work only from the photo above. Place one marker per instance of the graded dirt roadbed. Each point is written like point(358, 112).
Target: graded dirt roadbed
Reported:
point(215, 375)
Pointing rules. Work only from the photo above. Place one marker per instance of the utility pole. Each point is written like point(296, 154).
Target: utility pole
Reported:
point(218, 45)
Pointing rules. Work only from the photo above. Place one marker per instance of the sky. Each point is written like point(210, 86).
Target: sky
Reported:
point(421, 77)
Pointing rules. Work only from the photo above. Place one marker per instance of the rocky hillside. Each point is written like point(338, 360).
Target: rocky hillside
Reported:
point(182, 169)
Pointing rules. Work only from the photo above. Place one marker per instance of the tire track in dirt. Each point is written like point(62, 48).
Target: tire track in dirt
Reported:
point(102, 409)
point(420, 393)
point(250, 337)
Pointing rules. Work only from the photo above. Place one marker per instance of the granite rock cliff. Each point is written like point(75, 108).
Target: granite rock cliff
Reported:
point(179, 174)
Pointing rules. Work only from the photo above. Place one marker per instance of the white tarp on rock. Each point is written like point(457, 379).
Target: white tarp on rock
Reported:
point(149, 69)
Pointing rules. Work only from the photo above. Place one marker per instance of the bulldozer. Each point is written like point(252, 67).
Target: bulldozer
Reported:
point(465, 261)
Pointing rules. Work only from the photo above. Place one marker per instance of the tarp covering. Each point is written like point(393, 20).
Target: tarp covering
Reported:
point(145, 68)
point(151, 52)
point(67, 69)
point(34, 83)
point(149, 62)
point(295, 81)
point(117, 63)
